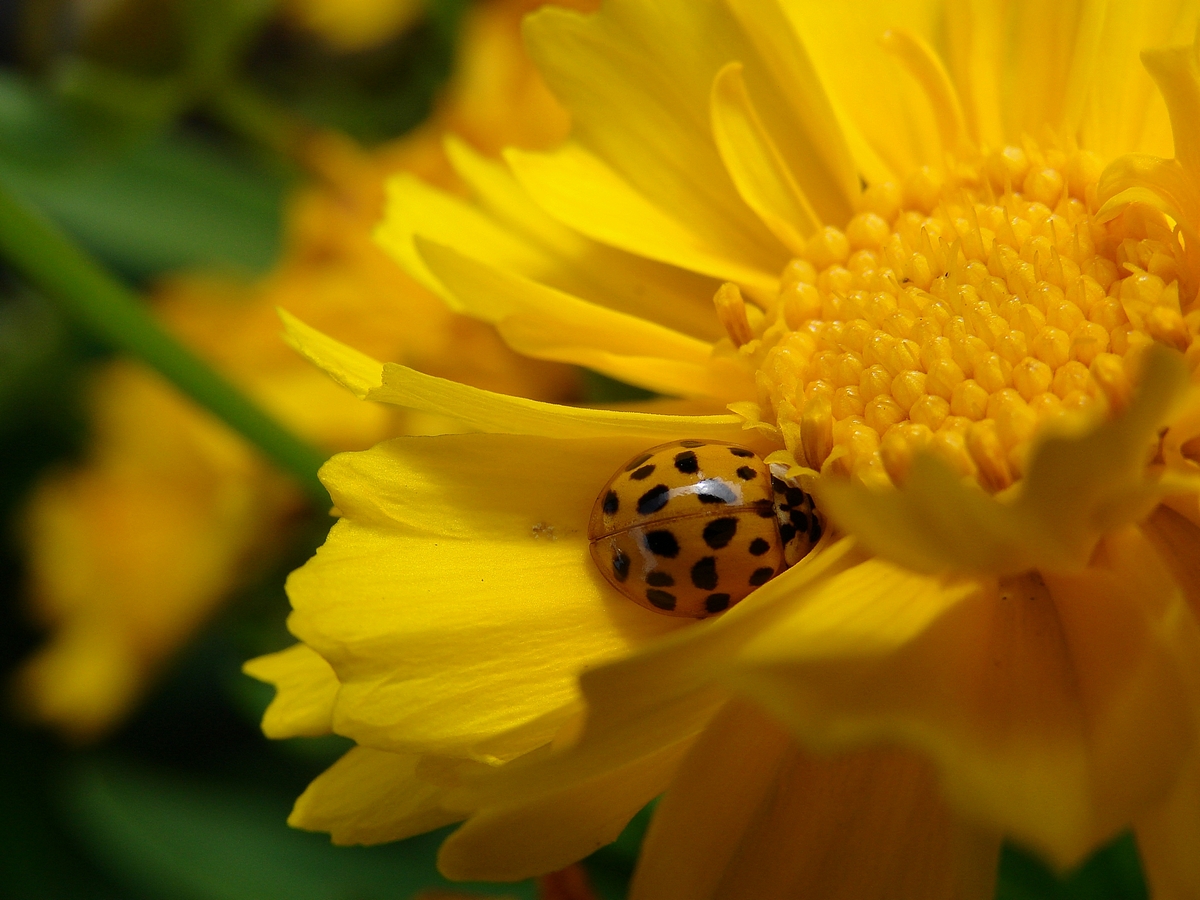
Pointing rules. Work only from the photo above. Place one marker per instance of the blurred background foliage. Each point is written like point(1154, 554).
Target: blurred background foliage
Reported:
point(164, 135)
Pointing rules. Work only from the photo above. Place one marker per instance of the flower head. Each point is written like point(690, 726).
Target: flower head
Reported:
point(899, 252)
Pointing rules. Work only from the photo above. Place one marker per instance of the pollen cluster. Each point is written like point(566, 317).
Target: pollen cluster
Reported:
point(957, 313)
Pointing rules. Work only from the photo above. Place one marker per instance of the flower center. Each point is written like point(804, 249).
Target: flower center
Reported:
point(959, 312)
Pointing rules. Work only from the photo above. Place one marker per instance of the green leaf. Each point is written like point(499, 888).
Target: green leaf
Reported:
point(611, 867)
point(1111, 873)
point(136, 104)
point(175, 201)
point(38, 859)
point(193, 840)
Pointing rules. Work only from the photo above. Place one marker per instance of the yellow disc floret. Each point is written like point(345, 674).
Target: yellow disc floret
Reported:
point(957, 312)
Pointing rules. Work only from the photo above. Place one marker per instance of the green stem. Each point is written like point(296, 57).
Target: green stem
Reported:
point(115, 315)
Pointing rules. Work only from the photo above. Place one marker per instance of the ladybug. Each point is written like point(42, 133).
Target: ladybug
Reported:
point(690, 528)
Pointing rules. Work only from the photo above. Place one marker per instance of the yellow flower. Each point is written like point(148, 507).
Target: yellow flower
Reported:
point(354, 24)
point(947, 300)
point(132, 551)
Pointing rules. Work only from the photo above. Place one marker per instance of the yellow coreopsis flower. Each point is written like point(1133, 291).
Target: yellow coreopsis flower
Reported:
point(129, 553)
point(902, 249)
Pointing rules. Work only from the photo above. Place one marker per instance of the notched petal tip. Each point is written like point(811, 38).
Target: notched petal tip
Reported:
point(354, 370)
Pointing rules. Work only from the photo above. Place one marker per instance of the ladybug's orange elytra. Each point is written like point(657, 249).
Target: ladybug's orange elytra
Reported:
point(690, 528)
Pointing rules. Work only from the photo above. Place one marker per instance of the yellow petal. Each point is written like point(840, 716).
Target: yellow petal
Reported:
point(698, 824)
point(506, 229)
point(751, 816)
point(1077, 487)
point(1055, 710)
point(754, 163)
point(1079, 78)
point(621, 281)
point(542, 322)
point(456, 598)
point(885, 114)
point(1133, 642)
point(352, 369)
point(586, 750)
point(487, 411)
point(625, 695)
point(414, 207)
point(625, 728)
point(870, 609)
point(974, 54)
point(1090, 481)
point(1167, 837)
point(639, 109)
point(1125, 112)
point(816, 150)
point(923, 64)
point(636, 744)
point(1163, 183)
point(1176, 71)
point(1175, 539)
point(371, 797)
point(579, 189)
point(933, 523)
point(1050, 56)
point(305, 691)
point(544, 832)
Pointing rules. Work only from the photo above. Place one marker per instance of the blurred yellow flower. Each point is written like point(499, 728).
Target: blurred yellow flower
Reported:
point(354, 24)
point(948, 300)
point(131, 551)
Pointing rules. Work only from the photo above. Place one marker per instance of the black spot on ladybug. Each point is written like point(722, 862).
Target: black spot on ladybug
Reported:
point(687, 463)
point(747, 473)
point(742, 452)
point(661, 599)
point(611, 503)
point(765, 508)
point(691, 445)
point(761, 576)
point(787, 532)
point(634, 463)
point(714, 603)
point(714, 490)
point(720, 532)
point(620, 565)
point(814, 529)
point(653, 500)
point(704, 573)
point(659, 578)
point(778, 486)
point(795, 496)
point(643, 472)
point(758, 546)
point(662, 543)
